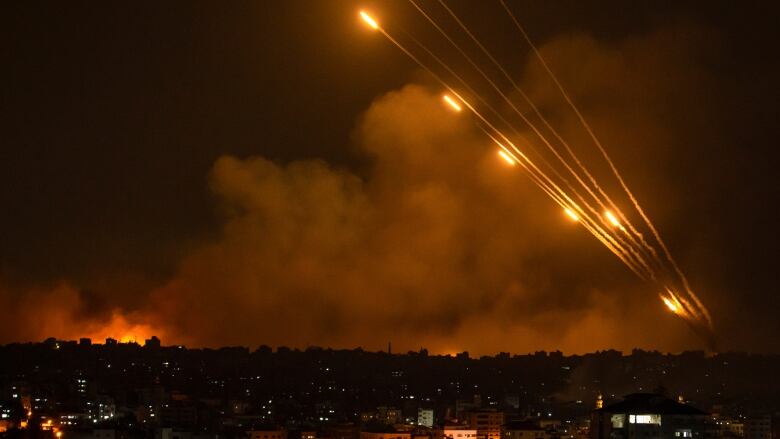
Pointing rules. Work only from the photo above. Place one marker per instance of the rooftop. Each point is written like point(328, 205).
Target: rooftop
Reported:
point(651, 403)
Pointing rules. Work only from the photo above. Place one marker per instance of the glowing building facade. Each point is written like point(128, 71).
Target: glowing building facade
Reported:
point(648, 416)
point(487, 422)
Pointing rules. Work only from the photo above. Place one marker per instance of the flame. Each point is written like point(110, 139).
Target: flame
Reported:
point(370, 21)
point(122, 330)
point(455, 106)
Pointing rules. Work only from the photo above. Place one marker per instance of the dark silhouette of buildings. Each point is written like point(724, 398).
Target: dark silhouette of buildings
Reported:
point(171, 391)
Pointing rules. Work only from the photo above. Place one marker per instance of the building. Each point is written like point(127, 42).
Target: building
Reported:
point(346, 430)
point(75, 419)
point(104, 433)
point(425, 418)
point(452, 431)
point(266, 434)
point(487, 422)
point(463, 406)
point(178, 415)
point(526, 430)
point(383, 415)
point(758, 427)
point(385, 435)
point(170, 433)
point(727, 427)
point(388, 415)
point(647, 416)
point(104, 409)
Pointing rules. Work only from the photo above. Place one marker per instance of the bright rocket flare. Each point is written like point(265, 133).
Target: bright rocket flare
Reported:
point(507, 158)
point(570, 213)
point(370, 21)
point(613, 219)
point(669, 304)
point(673, 303)
point(451, 102)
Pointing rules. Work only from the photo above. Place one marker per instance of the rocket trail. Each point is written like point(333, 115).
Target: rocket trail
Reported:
point(563, 200)
point(529, 123)
point(609, 227)
point(612, 166)
point(636, 255)
point(643, 246)
point(540, 178)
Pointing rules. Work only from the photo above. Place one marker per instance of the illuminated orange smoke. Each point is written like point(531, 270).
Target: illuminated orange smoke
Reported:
point(370, 21)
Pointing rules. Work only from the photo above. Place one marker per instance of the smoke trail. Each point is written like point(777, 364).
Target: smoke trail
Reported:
point(549, 184)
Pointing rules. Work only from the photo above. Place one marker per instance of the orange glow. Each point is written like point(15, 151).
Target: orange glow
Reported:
point(570, 213)
point(370, 21)
point(451, 102)
point(58, 434)
point(122, 330)
point(507, 158)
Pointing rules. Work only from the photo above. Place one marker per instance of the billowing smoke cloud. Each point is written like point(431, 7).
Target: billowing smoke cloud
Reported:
point(438, 244)
point(441, 245)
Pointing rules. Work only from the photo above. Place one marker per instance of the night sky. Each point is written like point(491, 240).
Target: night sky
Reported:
point(274, 172)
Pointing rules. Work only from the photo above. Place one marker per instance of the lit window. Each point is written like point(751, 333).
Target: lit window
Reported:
point(645, 419)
